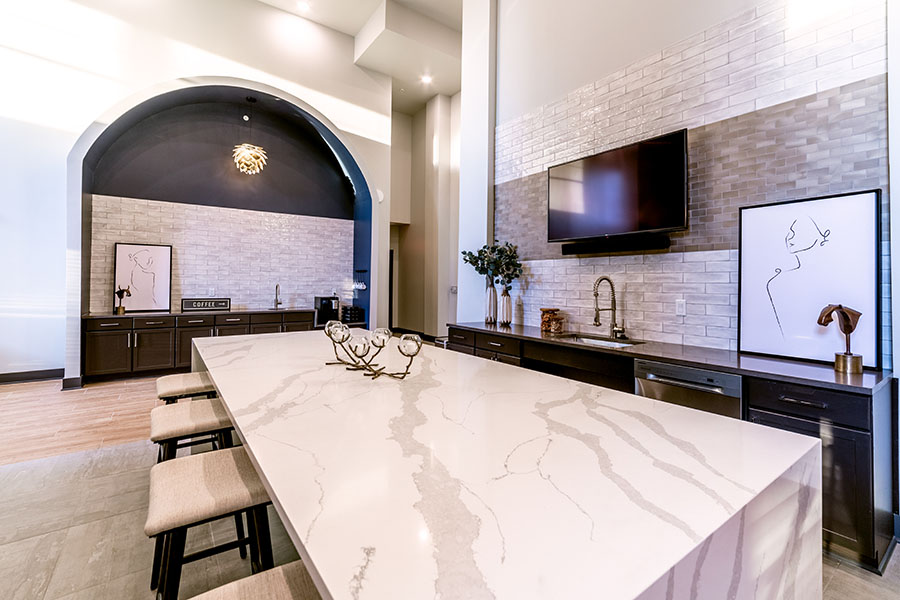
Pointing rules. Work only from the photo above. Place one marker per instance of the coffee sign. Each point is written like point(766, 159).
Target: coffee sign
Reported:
point(205, 304)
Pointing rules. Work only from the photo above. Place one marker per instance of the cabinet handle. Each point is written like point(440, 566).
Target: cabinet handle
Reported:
point(129, 339)
point(232, 320)
point(495, 344)
point(109, 324)
point(789, 400)
point(211, 332)
point(195, 321)
point(154, 322)
point(459, 337)
point(135, 339)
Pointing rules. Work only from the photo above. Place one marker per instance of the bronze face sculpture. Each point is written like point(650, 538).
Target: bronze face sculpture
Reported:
point(847, 319)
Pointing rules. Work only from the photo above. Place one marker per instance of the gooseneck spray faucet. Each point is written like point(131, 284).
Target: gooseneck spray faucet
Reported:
point(278, 301)
point(614, 330)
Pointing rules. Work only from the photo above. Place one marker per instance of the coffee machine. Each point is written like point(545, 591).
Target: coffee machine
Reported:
point(328, 308)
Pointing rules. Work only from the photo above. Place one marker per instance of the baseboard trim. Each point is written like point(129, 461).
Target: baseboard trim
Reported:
point(71, 383)
point(24, 376)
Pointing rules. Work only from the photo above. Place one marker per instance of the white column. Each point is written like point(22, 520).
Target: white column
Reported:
point(476, 162)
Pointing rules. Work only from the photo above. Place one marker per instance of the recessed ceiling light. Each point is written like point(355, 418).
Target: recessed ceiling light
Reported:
point(303, 6)
point(246, 117)
point(426, 79)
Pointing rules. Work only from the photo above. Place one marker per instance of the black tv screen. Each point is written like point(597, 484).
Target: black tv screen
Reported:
point(641, 187)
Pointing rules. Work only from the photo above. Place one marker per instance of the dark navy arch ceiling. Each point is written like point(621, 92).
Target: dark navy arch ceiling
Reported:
point(176, 147)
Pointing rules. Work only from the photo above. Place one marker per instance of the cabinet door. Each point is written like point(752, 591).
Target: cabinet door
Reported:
point(233, 330)
point(107, 352)
point(153, 349)
point(298, 326)
point(183, 337)
point(847, 511)
point(270, 328)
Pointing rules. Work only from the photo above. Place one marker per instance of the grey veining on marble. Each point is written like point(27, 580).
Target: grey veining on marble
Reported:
point(473, 479)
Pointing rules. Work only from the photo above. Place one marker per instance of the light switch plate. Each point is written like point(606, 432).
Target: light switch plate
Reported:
point(681, 307)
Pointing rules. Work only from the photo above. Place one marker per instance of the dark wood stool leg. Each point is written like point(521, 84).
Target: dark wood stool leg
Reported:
point(174, 555)
point(163, 562)
point(159, 542)
point(260, 516)
point(254, 543)
point(169, 449)
point(239, 531)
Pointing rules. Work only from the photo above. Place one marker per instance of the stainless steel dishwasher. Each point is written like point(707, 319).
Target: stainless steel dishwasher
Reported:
point(714, 392)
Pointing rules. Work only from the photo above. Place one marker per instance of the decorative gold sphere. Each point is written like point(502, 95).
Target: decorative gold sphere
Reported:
point(249, 159)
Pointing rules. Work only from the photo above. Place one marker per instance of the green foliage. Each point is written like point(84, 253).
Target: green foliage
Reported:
point(499, 262)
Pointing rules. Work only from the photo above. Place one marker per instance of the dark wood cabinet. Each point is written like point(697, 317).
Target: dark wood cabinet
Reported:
point(847, 506)
point(273, 328)
point(855, 429)
point(118, 345)
point(107, 352)
point(498, 357)
point(183, 338)
point(153, 349)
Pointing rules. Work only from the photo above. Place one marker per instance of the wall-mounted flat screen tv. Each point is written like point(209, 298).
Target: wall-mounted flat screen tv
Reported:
point(639, 188)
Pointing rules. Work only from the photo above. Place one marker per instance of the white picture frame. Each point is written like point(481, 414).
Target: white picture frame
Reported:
point(798, 256)
point(146, 269)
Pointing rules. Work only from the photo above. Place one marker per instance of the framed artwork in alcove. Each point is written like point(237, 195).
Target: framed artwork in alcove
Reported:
point(798, 256)
point(147, 270)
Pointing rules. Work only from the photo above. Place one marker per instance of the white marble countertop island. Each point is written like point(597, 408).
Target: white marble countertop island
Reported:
point(474, 479)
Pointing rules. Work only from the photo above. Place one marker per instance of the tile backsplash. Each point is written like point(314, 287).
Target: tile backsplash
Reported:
point(226, 252)
point(647, 287)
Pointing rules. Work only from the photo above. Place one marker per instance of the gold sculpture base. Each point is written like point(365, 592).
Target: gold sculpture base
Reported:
point(847, 363)
point(120, 310)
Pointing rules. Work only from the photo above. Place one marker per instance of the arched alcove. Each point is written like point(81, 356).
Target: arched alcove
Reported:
point(175, 146)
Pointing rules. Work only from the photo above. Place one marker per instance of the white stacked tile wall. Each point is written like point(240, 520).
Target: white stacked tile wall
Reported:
point(226, 252)
point(647, 287)
point(779, 51)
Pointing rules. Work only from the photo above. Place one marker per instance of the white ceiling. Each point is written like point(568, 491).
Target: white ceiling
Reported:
point(348, 16)
point(402, 57)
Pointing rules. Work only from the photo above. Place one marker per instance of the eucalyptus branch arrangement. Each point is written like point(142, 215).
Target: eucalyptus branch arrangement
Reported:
point(357, 349)
point(498, 262)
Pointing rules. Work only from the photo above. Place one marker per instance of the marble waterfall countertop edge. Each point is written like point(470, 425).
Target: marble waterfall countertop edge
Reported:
point(791, 371)
point(475, 479)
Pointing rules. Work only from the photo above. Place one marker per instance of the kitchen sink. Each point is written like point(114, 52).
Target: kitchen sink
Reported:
point(596, 340)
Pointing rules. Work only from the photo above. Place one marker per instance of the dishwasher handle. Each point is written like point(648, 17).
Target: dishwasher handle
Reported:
point(712, 389)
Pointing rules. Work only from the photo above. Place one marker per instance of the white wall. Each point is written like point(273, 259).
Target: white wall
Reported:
point(71, 62)
point(542, 56)
point(476, 153)
point(401, 166)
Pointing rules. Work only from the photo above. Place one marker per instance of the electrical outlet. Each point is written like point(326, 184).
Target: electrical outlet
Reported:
point(212, 292)
point(453, 289)
point(680, 307)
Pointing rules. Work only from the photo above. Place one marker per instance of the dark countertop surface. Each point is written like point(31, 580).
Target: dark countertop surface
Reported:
point(203, 313)
point(718, 360)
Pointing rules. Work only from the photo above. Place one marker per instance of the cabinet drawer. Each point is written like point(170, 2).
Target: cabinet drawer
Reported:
point(196, 321)
point(111, 324)
point(263, 318)
point(153, 323)
point(232, 319)
point(840, 408)
point(497, 343)
point(299, 317)
point(498, 357)
point(461, 337)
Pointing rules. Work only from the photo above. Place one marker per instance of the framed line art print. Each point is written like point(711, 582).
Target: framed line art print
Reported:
point(798, 256)
point(146, 269)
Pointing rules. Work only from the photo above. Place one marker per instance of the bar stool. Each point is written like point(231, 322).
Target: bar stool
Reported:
point(288, 582)
point(197, 489)
point(201, 421)
point(172, 388)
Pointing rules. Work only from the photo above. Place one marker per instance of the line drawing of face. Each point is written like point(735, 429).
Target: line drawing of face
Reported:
point(803, 235)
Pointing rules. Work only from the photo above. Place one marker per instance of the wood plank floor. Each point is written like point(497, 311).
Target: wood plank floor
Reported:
point(38, 419)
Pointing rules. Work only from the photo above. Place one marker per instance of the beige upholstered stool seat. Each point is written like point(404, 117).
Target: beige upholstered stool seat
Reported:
point(184, 385)
point(185, 419)
point(201, 487)
point(288, 582)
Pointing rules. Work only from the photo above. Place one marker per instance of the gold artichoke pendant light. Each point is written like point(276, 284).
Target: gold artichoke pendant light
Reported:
point(249, 159)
